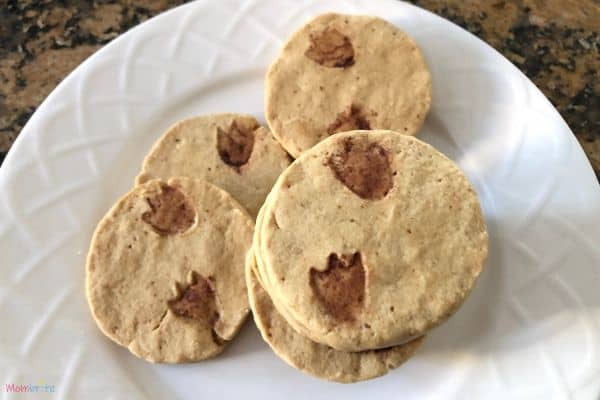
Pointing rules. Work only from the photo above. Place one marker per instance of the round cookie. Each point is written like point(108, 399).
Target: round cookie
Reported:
point(165, 270)
point(314, 358)
point(231, 151)
point(345, 72)
point(370, 239)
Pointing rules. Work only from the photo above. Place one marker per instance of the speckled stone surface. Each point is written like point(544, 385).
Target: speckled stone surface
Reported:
point(554, 42)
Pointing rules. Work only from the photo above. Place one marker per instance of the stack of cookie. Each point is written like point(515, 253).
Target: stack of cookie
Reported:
point(367, 241)
point(362, 244)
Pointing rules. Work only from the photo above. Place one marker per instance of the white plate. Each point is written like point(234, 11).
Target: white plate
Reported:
point(531, 329)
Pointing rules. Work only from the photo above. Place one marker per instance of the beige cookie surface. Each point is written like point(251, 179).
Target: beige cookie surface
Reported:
point(345, 72)
point(165, 270)
point(231, 151)
point(313, 358)
point(258, 267)
point(370, 239)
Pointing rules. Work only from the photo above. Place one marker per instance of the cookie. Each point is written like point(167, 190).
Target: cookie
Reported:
point(165, 270)
point(370, 239)
point(345, 72)
point(231, 151)
point(314, 358)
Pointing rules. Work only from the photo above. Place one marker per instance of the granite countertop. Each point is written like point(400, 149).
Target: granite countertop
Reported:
point(554, 42)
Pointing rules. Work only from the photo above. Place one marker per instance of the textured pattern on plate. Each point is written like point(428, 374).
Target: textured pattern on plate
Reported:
point(531, 328)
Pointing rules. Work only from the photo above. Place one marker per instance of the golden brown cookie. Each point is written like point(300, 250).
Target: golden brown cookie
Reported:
point(345, 72)
point(317, 359)
point(165, 270)
point(370, 239)
point(231, 151)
